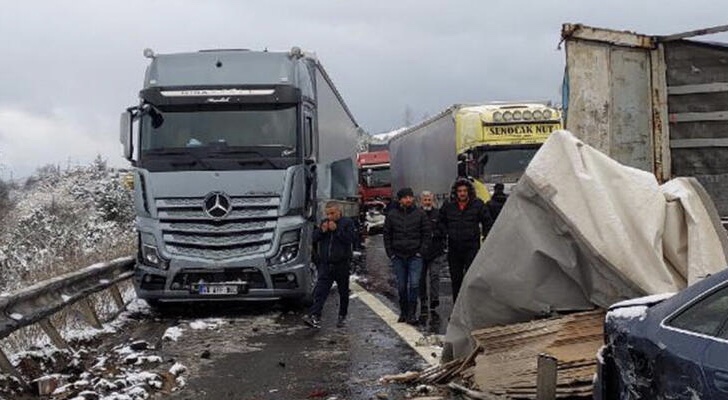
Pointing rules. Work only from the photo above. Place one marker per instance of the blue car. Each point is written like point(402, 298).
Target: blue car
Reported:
point(667, 346)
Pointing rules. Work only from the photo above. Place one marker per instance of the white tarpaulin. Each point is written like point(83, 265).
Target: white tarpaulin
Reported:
point(581, 230)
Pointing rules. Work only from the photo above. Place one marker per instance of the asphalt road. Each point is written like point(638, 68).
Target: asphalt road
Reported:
point(380, 279)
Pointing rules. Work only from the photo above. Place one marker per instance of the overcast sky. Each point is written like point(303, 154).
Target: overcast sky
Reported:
point(68, 68)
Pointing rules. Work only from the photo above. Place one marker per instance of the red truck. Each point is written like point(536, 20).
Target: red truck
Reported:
point(375, 187)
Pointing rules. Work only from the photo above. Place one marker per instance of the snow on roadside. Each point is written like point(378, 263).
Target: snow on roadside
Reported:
point(172, 333)
point(208, 323)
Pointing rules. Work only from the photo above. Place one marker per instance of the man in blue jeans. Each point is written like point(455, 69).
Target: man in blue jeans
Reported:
point(333, 242)
point(407, 235)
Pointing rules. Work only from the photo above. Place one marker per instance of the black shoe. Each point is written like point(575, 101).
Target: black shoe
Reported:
point(341, 323)
point(312, 321)
point(403, 311)
point(412, 315)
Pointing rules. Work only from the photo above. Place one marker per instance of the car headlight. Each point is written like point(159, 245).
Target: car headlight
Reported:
point(517, 115)
point(547, 114)
point(497, 116)
point(150, 256)
point(527, 115)
point(507, 116)
point(537, 114)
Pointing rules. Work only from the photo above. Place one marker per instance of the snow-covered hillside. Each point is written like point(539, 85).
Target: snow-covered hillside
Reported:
point(64, 220)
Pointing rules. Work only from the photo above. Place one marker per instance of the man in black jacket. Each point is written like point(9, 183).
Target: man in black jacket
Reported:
point(495, 204)
point(461, 220)
point(333, 242)
point(430, 276)
point(407, 233)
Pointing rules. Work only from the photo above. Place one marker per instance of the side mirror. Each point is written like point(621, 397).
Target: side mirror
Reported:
point(125, 134)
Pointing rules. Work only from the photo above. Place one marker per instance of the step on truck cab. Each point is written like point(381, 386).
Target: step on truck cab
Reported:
point(234, 152)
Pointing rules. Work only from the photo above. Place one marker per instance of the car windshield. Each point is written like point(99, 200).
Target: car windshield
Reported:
point(259, 128)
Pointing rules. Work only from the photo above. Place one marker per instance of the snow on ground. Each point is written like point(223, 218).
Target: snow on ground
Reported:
point(172, 333)
point(208, 323)
point(60, 219)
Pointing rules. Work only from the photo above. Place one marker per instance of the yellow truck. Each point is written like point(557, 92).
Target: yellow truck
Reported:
point(490, 143)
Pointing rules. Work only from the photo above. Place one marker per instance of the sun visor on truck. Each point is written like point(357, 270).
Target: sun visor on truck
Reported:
point(221, 95)
point(337, 180)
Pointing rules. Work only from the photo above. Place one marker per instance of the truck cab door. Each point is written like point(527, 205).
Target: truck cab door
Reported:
point(310, 150)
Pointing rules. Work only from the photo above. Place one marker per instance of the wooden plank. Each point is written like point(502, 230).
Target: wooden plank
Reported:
point(699, 116)
point(53, 334)
point(697, 32)
point(698, 143)
point(619, 38)
point(546, 378)
point(698, 88)
point(662, 165)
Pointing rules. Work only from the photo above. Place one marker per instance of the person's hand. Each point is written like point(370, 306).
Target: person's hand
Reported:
point(332, 225)
point(325, 226)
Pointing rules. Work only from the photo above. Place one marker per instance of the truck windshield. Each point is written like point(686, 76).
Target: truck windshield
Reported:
point(502, 165)
point(235, 139)
point(379, 177)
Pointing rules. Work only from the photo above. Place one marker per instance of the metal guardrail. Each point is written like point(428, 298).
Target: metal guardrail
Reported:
point(38, 302)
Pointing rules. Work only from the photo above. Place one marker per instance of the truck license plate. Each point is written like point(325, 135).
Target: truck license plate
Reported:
point(219, 289)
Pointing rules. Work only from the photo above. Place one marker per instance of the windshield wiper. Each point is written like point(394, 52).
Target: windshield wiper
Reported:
point(176, 152)
point(261, 157)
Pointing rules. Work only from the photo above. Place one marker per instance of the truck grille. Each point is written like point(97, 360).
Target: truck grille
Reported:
point(188, 230)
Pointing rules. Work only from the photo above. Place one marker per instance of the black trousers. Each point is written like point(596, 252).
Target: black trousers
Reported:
point(459, 260)
point(327, 275)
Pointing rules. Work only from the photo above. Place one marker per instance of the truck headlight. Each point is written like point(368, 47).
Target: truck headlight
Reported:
point(288, 252)
point(150, 256)
point(537, 115)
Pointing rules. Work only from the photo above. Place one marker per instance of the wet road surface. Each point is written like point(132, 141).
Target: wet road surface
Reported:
point(274, 356)
point(380, 280)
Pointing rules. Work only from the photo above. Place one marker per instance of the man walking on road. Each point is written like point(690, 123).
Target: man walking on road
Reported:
point(430, 276)
point(407, 233)
point(333, 243)
point(461, 220)
point(495, 205)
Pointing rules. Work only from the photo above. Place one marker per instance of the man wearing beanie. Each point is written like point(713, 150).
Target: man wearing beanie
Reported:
point(407, 234)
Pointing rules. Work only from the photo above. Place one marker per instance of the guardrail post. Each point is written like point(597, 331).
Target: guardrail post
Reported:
point(8, 368)
point(89, 313)
point(116, 294)
point(53, 334)
point(546, 377)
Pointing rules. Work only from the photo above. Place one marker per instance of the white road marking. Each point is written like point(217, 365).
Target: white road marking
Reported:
point(407, 332)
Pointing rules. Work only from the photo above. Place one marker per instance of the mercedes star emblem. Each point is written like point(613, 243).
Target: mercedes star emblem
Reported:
point(217, 205)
